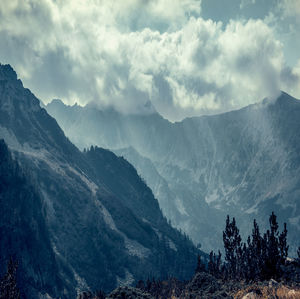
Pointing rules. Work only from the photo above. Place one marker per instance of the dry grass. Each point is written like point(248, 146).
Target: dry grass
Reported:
point(287, 293)
point(265, 292)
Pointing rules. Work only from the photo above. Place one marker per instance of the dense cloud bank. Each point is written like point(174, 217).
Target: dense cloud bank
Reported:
point(125, 53)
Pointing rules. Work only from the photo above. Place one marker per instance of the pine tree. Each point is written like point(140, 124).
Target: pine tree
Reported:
point(232, 245)
point(247, 261)
point(100, 295)
point(219, 263)
point(255, 248)
point(260, 258)
point(283, 247)
point(211, 263)
point(240, 261)
point(8, 283)
point(271, 252)
point(273, 257)
point(298, 255)
point(200, 265)
point(215, 264)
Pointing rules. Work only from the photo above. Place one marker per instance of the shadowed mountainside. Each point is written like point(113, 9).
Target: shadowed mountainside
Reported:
point(93, 222)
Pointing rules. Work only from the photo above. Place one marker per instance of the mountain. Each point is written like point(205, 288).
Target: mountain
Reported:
point(75, 220)
point(245, 163)
point(24, 233)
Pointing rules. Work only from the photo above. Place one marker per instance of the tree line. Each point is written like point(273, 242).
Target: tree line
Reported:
point(8, 283)
point(261, 257)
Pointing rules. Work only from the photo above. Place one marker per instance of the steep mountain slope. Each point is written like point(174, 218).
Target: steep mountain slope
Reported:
point(244, 162)
point(149, 173)
point(102, 224)
point(24, 234)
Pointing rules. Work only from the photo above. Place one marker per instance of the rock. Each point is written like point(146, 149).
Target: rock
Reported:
point(292, 293)
point(252, 295)
point(204, 281)
point(273, 283)
point(129, 293)
point(204, 285)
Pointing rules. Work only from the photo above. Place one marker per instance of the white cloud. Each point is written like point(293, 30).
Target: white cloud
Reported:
point(124, 53)
point(290, 8)
point(245, 3)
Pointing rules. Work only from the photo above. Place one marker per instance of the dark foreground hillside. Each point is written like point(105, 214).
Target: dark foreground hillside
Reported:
point(75, 221)
point(259, 268)
point(205, 286)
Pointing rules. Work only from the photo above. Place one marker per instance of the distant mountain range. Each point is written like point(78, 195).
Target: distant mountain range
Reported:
point(245, 163)
point(75, 220)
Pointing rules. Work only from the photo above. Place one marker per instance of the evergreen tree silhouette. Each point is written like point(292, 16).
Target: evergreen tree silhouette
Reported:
point(232, 246)
point(283, 247)
point(272, 256)
point(255, 252)
point(8, 283)
point(200, 265)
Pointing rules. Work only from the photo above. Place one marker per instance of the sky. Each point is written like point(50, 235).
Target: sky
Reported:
point(186, 57)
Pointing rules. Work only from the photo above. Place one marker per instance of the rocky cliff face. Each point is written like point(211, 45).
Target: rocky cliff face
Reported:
point(93, 222)
point(245, 162)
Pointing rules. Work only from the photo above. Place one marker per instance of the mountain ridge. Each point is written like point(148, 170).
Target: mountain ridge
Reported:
point(282, 98)
point(240, 162)
point(99, 240)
